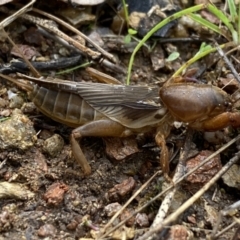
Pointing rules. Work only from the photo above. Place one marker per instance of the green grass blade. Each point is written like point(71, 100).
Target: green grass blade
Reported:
point(220, 15)
point(204, 51)
point(238, 25)
point(156, 28)
point(207, 24)
point(192, 60)
point(69, 70)
point(4, 119)
point(233, 10)
point(125, 9)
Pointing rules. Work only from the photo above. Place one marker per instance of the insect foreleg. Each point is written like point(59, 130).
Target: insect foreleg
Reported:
point(164, 157)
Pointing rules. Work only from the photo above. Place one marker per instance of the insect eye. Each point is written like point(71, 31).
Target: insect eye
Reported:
point(227, 104)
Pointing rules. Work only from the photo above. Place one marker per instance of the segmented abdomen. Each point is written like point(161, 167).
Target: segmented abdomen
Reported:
point(64, 107)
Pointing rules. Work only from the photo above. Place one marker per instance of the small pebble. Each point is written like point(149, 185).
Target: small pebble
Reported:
point(16, 102)
point(47, 230)
point(112, 208)
point(53, 145)
point(17, 132)
point(142, 220)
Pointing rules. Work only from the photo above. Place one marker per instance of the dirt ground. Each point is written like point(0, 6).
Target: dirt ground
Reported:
point(44, 192)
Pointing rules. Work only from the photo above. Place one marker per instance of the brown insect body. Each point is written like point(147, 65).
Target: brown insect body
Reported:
point(78, 103)
point(72, 110)
point(116, 110)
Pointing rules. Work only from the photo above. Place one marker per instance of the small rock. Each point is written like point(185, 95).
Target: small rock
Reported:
point(211, 213)
point(40, 161)
point(120, 190)
point(120, 148)
point(17, 132)
point(3, 103)
point(55, 193)
point(74, 223)
point(5, 221)
point(47, 230)
point(126, 214)
point(53, 145)
point(28, 107)
point(214, 137)
point(112, 208)
point(205, 172)
point(142, 220)
point(192, 219)
point(5, 113)
point(123, 233)
point(232, 176)
point(45, 134)
point(16, 102)
point(179, 232)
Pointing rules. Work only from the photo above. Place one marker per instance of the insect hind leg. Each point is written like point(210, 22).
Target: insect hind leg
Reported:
point(100, 128)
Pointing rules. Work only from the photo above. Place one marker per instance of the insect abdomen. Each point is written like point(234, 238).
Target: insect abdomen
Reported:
point(64, 107)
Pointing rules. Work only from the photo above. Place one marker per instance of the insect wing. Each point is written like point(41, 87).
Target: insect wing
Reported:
point(132, 106)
